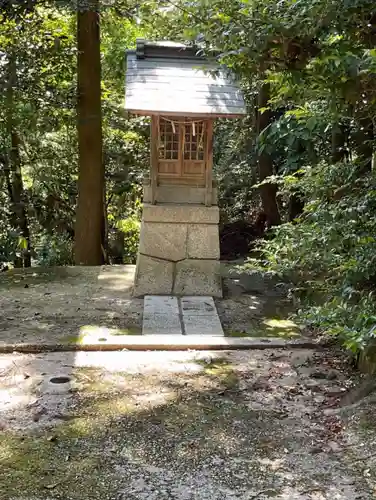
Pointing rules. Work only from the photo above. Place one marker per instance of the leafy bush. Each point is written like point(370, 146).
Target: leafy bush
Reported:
point(131, 231)
point(330, 251)
point(12, 244)
point(55, 250)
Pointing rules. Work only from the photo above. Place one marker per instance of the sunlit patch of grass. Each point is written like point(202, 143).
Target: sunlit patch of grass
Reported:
point(97, 333)
point(283, 328)
point(72, 339)
point(221, 369)
point(269, 327)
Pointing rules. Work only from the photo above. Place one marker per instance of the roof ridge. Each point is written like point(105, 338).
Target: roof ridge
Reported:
point(146, 49)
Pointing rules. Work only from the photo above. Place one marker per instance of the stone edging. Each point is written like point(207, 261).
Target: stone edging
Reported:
point(163, 343)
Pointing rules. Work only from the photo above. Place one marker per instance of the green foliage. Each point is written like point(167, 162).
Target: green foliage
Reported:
point(235, 169)
point(130, 229)
point(55, 250)
point(330, 252)
point(318, 58)
point(42, 42)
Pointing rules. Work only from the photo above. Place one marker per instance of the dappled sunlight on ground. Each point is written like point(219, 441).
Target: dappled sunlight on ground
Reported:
point(117, 278)
point(280, 328)
point(74, 304)
point(179, 425)
point(51, 305)
point(163, 425)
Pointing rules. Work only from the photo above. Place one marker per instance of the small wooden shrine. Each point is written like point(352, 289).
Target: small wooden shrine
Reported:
point(183, 93)
point(182, 153)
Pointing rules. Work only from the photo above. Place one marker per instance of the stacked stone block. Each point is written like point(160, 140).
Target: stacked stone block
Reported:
point(179, 251)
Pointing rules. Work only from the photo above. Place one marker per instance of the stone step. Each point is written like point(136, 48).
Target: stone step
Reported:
point(200, 316)
point(168, 315)
point(161, 316)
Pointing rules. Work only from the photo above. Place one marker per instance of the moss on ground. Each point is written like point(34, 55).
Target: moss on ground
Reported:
point(99, 333)
point(57, 462)
point(127, 331)
point(222, 370)
point(108, 411)
point(269, 327)
point(121, 423)
point(72, 339)
point(64, 458)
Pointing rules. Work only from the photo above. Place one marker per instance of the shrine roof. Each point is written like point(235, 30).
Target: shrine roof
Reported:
point(174, 79)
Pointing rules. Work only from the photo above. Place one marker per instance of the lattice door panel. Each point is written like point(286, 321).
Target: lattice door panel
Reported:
point(182, 145)
point(194, 141)
point(168, 140)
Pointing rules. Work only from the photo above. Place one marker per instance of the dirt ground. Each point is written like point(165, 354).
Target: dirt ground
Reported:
point(183, 425)
point(58, 305)
point(55, 304)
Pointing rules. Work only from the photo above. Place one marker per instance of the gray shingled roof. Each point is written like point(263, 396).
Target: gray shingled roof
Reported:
point(167, 78)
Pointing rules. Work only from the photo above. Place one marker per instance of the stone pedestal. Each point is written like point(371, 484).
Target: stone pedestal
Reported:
point(172, 193)
point(179, 251)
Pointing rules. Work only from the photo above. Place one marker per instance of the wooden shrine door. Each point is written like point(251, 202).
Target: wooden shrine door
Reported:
point(182, 151)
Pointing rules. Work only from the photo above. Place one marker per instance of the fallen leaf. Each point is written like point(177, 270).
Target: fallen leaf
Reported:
point(51, 486)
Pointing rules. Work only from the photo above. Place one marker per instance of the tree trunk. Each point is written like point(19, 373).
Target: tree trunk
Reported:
point(90, 213)
point(339, 138)
point(364, 138)
point(13, 173)
point(268, 191)
point(295, 206)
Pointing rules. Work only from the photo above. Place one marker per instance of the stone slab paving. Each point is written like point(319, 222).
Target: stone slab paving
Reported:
point(166, 315)
point(161, 316)
point(200, 316)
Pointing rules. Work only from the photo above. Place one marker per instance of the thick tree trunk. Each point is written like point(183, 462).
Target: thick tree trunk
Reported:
point(13, 173)
point(265, 163)
point(90, 213)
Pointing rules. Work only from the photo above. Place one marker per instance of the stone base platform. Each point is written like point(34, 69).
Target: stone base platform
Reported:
point(178, 251)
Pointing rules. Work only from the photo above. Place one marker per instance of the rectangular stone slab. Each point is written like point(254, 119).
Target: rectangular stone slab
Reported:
point(200, 317)
point(188, 214)
point(202, 306)
point(161, 316)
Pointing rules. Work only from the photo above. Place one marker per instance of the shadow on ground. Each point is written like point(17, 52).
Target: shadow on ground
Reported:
point(61, 305)
point(183, 426)
point(56, 305)
point(255, 305)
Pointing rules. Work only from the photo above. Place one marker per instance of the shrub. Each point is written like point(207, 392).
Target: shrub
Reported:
point(329, 253)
